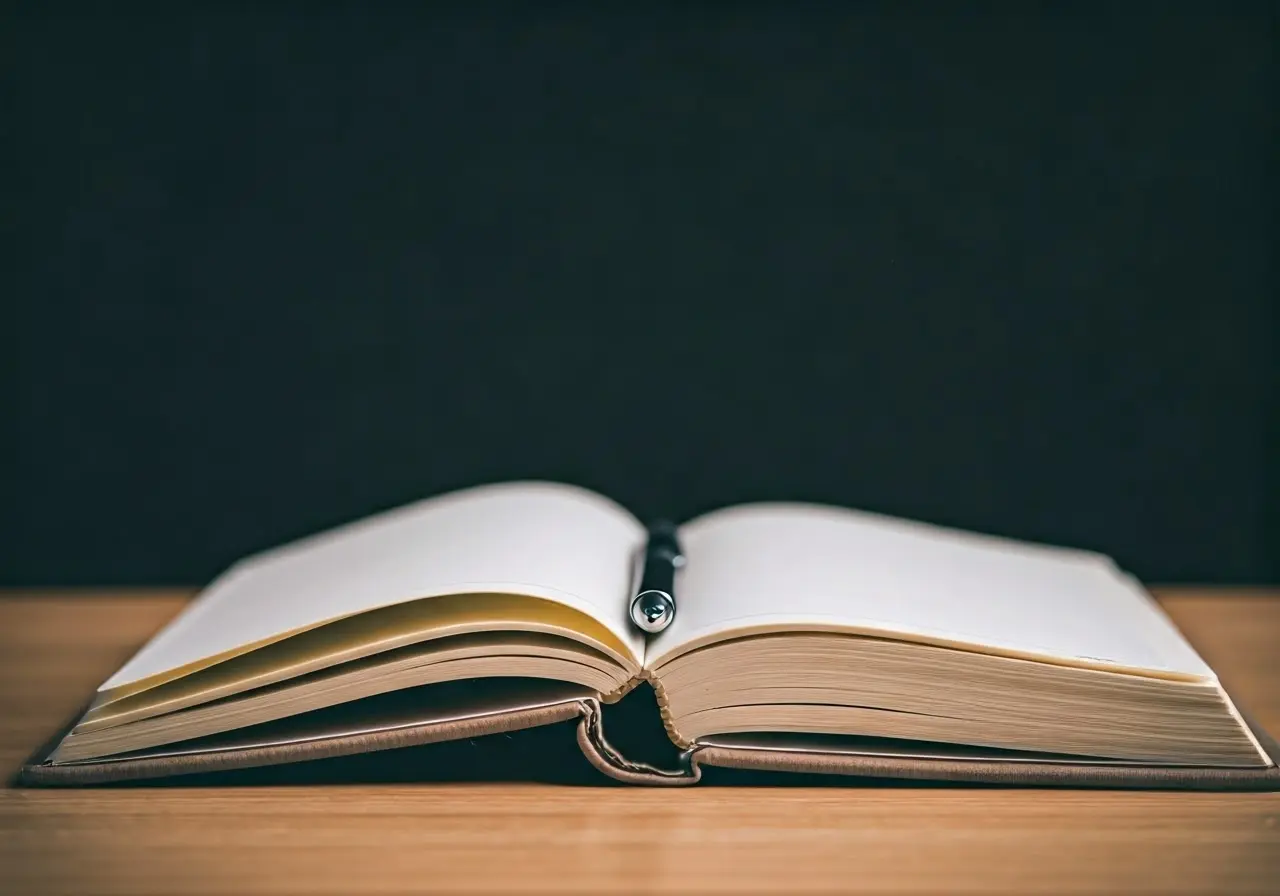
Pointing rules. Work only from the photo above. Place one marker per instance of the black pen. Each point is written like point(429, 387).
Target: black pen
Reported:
point(654, 605)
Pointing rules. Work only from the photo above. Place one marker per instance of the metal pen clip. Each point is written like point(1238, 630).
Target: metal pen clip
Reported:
point(654, 605)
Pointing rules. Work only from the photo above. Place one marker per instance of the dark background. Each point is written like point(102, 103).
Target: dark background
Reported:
point(273, 271)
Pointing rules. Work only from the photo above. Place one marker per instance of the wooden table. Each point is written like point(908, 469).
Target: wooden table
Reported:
point(373, 838)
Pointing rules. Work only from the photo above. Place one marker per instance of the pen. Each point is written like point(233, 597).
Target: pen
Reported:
point(654, 605)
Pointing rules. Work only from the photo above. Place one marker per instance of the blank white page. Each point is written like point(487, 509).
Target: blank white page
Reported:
point(794, 567)
point(539, 539)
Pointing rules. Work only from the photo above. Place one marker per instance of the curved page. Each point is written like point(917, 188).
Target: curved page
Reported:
point(795, 567)
point(557, 542)
point(371, 634)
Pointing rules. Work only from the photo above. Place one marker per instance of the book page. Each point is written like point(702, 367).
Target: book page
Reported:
point(795, 567)
point(544, 540)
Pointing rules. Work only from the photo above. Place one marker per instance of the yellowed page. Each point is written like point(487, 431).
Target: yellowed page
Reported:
point(353, 638)
point(562, 544)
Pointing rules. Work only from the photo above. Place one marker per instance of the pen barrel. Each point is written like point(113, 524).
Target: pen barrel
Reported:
point(654, 605)
point(659, 572)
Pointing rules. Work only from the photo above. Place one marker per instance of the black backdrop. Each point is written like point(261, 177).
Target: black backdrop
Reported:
point(277, 270)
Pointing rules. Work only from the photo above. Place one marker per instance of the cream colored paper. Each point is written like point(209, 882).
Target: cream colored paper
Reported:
point(544, 540)
point(795, 567)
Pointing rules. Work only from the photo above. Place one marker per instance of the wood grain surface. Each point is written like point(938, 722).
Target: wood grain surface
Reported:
point(55, 648)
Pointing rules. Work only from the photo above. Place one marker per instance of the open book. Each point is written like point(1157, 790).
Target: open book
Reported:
point(804, 638)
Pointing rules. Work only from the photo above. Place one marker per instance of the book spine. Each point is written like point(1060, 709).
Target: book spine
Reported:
point(600, 753)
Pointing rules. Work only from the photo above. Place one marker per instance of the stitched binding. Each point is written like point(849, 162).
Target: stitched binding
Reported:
point(664, 711)
point(664, 705)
